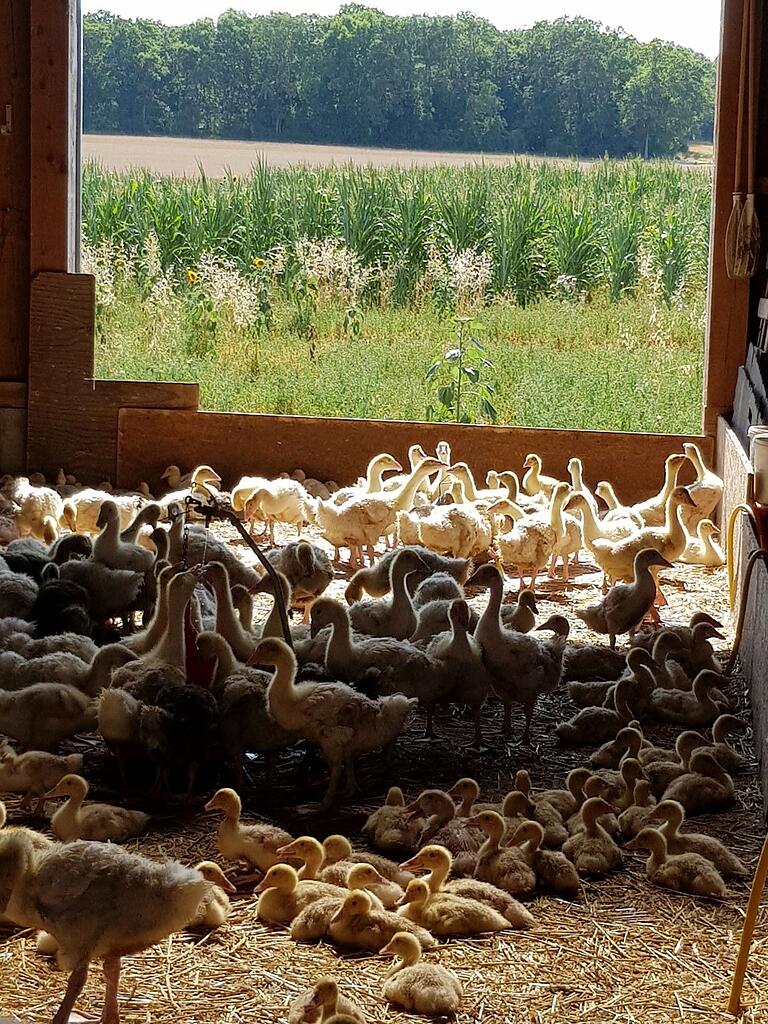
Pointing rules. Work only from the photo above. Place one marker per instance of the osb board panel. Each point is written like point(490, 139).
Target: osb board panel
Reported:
point(13, 425)
point(13, 394)
point(734, 467)
point(339, 449)
point(14, 189)
point(753, 652)
point(72, 418)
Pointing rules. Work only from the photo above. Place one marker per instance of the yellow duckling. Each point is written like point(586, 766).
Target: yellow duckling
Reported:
point(321, 1002)
point(312, 923)
point(257, 844)
point(384, 894)
point(337, 848)
point(534, 483)
point(391, 827)
point(415, 986)
point(673, 815)
point(568, 801)
point(358, 924)
point(215, 906)
point(445, 913)
point(341, 873)
point(684, 872)
point(282, 895)
point(438, 862)
point(505, 868)
point(101, 822)
point(554, 872)
point(637, 816)
point(592, 850)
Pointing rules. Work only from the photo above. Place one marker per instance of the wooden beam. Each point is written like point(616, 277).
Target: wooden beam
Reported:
point(73, 419)
point(53, 142)
point(13, 394)
point(728, 300)
point(12, 436)
point(14, 188)
point(235, 444)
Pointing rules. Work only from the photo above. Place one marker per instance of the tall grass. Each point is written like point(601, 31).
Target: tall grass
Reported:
point(331, 290)
point(539, 223)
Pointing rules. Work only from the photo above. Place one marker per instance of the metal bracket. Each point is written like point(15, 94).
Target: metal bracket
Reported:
point(214, 508)
point(7, 128)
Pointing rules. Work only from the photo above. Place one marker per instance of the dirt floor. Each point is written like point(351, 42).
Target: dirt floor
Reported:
point(625, 952)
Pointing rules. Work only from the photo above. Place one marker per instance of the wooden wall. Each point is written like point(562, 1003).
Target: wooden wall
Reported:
point(728, 301)
point(14, 230)
point(339, 449)
point(14, 190)
point(753, 651)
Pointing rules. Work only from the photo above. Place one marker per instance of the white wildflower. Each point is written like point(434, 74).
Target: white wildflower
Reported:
point(99, 260)
point(228, 290)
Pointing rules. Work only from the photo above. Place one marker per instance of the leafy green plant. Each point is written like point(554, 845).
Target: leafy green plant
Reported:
point(353, 321)
point(302, 290)
point(460, 392)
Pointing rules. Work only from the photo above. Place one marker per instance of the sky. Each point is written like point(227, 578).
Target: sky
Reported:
point(693, 23)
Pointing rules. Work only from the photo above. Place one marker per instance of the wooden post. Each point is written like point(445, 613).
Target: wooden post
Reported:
point(728, 301)
point(54, 150)
point(14, 189)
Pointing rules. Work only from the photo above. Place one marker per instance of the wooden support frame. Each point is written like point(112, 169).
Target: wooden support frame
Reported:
point(53, 438)
point(73, 418)
point(338, 448)
point(14, 191)
point(54, 147)
point(728, 301)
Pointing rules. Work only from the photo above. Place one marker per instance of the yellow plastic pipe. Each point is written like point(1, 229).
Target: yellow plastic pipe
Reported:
point(758, 885)
point(729, 549)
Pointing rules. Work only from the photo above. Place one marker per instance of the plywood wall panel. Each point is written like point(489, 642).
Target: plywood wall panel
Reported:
point(339, 449)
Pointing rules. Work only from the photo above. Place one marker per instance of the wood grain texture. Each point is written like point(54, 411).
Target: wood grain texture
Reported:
point(14, 189)
point(13, 423)
point(733, 465)
point(54, 174)
point(728, 301)
point(73, 419)
point(753, 651)
point(13, 394)
point(339, 449)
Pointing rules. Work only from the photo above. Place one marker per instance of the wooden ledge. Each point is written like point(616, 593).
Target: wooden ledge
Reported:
point(339, 449)
point(13, 394)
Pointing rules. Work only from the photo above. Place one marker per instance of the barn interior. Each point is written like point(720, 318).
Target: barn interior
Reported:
point(612, 945)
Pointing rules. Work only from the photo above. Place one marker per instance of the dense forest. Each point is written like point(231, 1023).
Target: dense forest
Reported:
point(364, 78)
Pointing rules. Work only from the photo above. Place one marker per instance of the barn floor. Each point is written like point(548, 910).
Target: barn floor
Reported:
point(625, 952)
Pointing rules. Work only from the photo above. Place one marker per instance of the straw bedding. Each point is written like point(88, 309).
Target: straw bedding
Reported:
point(625, 952)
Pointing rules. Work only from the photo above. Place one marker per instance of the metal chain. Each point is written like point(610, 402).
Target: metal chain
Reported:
point(185, 544)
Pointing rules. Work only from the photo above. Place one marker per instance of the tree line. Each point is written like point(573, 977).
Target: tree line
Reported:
point(360, 77)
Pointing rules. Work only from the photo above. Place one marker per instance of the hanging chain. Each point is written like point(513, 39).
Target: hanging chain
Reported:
point(185, 544)
point(205, 542)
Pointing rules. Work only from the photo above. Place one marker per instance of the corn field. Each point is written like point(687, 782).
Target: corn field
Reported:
point(520, 231)
point(280, 291)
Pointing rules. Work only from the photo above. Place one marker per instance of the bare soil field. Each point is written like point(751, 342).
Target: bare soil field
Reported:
point(218, 156)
